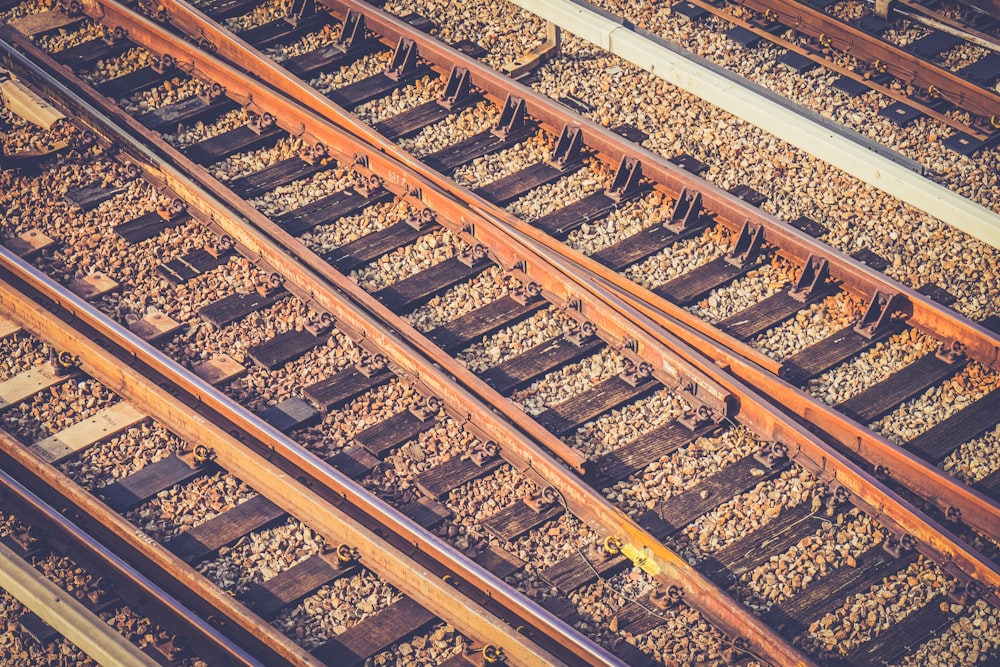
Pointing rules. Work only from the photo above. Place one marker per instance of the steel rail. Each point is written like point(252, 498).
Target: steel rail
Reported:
point(927, 315)
point(343, 488)
point(794, 436)
point(55, 526)
point(918, 72)
point(943, 490)
point(160, 387)
point(581, 499)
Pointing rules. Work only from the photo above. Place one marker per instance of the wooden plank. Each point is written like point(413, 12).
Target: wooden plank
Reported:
point(143, 484)
point(8, 327)
point(86, 54)
point(989, 486)
point(402, 427)
point(641, 245)
point(522, 369)
point(285, 347)
point(205, 539)
point(354, 461)
point(761, 316)
point(885, 396)
point(561, 606)
point(345, 386)
point(510, 523)
point(280, 30)
point(829, 352)
point(393, 624)
point(94, 286)
point(438, 481)
point(428, 513)
point(634, 619)
point(680, 510)
point(224, 9)
point(290, 414)
point(25, 385)
point(133, 82)
point(219, 370)
point(686, 289)
point(826, 594)
point(186, 112)
point(269, 178)
point(329, 209)
point(476, 146)
point(107, 423)
point(30, 243)
point(195, 263)
point(640, 452)
point(234, 141)
point(420, 288)
point(902, 637)
point(374, 87)
point(459, 660)
point(91, 196)
point(359, 252)
point(155, 327)
point(513, 186)
point(575, 571)
point(566, 416)
point(47, 21)
point(329, 57)
point(561, 222)
point(485, 321)
point(755, 549)
point(937, 442)
point(290, 586)
point(235, 307)
point(499, 561)
point(147, 226)
point(413, 120)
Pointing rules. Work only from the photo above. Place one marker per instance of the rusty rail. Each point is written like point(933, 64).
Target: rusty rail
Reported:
point(943, 490)
point(581, 499)
point(149, 595)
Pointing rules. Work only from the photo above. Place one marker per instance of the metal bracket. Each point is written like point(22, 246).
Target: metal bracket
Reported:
point(695, 419)
point(353, 33)
point(966, 593)
point(628, 179)
point(259, 123)
point(686, 211)
point(300, 9)
point(951, 353)
point(536, 57)
point(457, 88)
point(664, 600)
point(581, 334)
point(113, 36)
point(539, 501)
point(162, 64)
point(772, 456)
point(897, 546)
point(812, 282)
point(635, 374)
point(481, 454)
point(748, 244)
point(878, 314)
point(404, 59)
point(473, 254)
point(369, 364)
point(421, 219)
point(318, 325)
point(511, 118)
point(215, 91)
point(569, 147)
point(526, 293)
point(427, 408)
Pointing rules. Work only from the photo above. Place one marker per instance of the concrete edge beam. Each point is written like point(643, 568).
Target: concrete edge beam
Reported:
point(65, 614)
point(785, 120)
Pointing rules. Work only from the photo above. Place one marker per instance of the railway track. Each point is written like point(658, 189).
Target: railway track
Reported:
point(657, 255)
point(525, 363)
point(927, 71)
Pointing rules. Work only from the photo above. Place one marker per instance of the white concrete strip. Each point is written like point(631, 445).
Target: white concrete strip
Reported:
point(71, 619)
point(800, 127)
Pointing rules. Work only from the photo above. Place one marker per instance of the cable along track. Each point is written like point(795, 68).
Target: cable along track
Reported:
point(747, 475)
point(684, 227)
